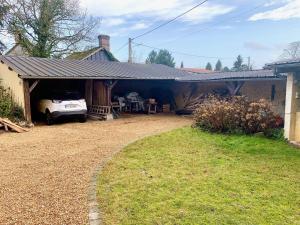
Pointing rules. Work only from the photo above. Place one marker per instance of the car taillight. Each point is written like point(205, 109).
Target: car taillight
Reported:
point(56, 101)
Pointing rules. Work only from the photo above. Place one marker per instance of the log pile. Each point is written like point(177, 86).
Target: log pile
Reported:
point(7, 125)
point(193, 102)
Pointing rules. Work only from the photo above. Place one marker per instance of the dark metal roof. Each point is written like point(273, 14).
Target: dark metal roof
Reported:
point(42, 68)
point(241, 75)
point(284, 62)
point(285, 66)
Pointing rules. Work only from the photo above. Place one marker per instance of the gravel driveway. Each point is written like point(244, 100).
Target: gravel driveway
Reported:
point(45, 173)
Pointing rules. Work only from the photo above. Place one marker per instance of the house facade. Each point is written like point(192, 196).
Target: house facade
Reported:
point(98, 54)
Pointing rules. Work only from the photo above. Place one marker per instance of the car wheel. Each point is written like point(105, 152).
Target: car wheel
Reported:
point(49, 119)
point(82, 119)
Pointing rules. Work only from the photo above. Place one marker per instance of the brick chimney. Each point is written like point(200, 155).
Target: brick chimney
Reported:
point(104, 41)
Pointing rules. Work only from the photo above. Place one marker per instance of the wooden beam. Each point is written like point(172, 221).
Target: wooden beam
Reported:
point(234, 87)
point(99, 93)
point(113, 84)
point(108, 95)
point(238, 87)
point(89, 92)
point(32, 87)
point(27, 105)
point(109, 86)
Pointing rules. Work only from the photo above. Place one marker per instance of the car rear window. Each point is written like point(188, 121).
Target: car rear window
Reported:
point(66, 96)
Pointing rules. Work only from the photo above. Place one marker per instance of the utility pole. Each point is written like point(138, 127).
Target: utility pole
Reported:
point(130, 50)
point(249, 62)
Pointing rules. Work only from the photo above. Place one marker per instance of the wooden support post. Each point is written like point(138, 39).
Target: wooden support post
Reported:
point(108, 95)
point(27, 105)
point(32, 87)
point(109, 86)
point(114, 84)
point(99, 93)
point(89, 92)
point(234, 87)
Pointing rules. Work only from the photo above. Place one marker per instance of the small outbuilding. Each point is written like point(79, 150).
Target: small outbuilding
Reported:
point(30, 78)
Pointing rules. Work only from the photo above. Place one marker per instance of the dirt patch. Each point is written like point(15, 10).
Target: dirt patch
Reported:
point(45, 173)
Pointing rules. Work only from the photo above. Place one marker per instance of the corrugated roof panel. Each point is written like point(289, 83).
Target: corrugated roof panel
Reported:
point(253, 74)
point(42, 68)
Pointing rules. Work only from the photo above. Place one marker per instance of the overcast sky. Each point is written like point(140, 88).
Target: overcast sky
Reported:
point(255, 28)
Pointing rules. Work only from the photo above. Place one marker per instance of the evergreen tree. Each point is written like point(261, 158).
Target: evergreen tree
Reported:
point(226, 69)
point(163, 57)
point(151, 57)
point(238, 64)
point(208, 66)
point(218, 66)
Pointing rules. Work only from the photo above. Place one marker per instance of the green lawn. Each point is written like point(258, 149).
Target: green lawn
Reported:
point(191, 177)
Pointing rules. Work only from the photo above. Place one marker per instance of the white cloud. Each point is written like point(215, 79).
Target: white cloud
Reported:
point(127, 7)
point(275, 2)
point(154, 9)
point(290, 10)
point(256, 46)
point(225, 27)
point(111, 22)
point(206, 13)
point(139, 26)
point(123, 31)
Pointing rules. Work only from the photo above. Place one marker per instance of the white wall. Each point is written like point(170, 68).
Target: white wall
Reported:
point(10, 80)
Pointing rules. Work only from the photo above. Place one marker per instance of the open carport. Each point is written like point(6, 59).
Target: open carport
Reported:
point(30, 78)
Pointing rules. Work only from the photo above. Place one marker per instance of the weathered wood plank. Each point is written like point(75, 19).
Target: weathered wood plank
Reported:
point(27, 101)
point(32, 87)
point(8, 124)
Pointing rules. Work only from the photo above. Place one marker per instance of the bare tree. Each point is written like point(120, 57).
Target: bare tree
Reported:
point(2, 47)
point(3, 11)
point(292, 51)
point(47, 28)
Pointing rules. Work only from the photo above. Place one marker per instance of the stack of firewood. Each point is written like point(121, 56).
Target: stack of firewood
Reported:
point(193, 102)
point(7, 125)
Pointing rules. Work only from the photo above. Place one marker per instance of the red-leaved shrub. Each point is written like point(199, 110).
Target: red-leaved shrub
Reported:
point(235, 115)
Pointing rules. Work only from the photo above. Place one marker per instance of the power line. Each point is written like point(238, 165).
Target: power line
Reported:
point(183, 53)
point(122, 46)
point(170, 21)
point(217, 23)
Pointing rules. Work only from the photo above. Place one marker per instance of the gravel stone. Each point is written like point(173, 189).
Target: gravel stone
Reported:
point(45, 174)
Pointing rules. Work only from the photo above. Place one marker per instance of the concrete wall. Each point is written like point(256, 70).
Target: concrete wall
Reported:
point(10, 80)
point(254, 90)
point(297, 127)
point(297, 124)
point(292, 110)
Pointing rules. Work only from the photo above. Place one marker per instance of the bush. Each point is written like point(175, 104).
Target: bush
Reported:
point(235, 115)
point(276, 133)
point(8, 108)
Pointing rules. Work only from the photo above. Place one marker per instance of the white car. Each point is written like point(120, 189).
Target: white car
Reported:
point(62, 104)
